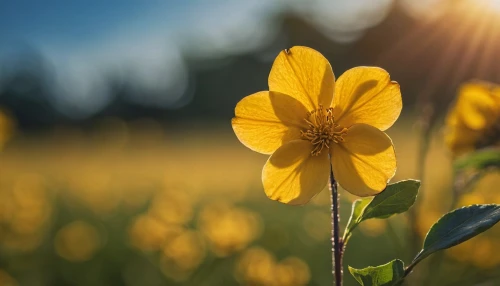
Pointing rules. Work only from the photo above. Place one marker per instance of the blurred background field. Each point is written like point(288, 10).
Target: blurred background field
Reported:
point(118, 164)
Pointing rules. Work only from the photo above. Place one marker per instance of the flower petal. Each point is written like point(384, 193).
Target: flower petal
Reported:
point(266, 120)
point(476, 106)
point(367, 95)
point(293, 176)
point(365, 161)
point(304, 74)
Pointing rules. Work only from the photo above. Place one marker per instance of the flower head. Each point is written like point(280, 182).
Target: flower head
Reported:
point(307, 121)
point(474, 121)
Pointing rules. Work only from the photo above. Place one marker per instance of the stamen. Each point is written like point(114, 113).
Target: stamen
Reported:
point(322, 130)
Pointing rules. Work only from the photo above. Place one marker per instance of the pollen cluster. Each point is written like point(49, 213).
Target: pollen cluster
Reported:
point(322, 129)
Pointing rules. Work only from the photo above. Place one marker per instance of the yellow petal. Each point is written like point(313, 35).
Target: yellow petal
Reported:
point(476, 106)
point(365, 161)
point(293, 176)
point(367, 95)
point(304, 74)
point(266, 120)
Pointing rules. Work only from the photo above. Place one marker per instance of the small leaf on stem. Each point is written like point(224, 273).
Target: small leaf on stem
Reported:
point(395, 199)
point(390, 274)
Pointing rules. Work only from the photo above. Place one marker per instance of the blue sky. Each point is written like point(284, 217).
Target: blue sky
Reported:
point(69, 26)
point(75, 22)
point(143, 41)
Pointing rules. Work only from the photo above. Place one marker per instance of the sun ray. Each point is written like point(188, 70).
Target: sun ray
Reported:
point(472, 48)
point(488, 50)
point(446, 63)
point(424, 34)
point(447, 50)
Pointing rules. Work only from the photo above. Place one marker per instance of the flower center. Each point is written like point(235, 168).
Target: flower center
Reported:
point(322, 129)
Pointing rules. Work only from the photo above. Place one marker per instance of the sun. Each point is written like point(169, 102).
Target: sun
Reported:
point(493, 4)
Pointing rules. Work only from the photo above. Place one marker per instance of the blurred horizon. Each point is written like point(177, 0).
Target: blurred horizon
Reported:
point(72, 62)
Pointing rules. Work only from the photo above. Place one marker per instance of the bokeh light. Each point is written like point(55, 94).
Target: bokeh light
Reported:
point(77, 241)
point(228, 229)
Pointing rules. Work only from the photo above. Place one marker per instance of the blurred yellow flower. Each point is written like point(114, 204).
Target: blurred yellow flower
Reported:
point(292, 271)
point(228, 229)
point(77, 241)
point(174, 207)
point(183, 254)
point(257, 266)
point(305, 127)
point(25, 212)
point(150, 233)
point(473, 122)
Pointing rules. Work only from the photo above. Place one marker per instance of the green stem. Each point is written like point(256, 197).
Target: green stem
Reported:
point(337, 243)
point(410, 267)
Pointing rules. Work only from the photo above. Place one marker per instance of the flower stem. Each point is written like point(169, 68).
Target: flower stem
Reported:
point(337, 243)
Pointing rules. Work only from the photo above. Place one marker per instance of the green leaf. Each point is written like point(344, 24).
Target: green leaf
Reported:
point(395, 199)
point(390, 274)
point(358, 206)
point(458, 226)
point(478, 160)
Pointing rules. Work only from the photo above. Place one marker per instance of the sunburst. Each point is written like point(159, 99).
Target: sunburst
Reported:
point(442, 52)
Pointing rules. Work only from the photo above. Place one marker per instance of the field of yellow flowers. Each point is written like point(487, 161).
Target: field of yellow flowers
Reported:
point(141, 203)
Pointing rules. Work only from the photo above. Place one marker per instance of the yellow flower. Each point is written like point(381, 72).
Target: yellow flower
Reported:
point(473, 122)
point(305, 127)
